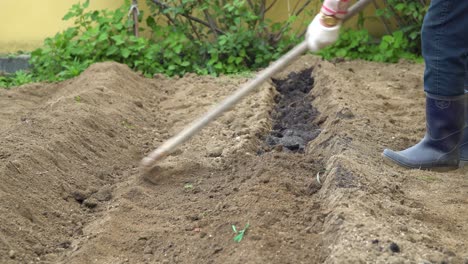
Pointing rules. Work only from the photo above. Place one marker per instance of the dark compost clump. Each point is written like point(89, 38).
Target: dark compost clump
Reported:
point(293, 117)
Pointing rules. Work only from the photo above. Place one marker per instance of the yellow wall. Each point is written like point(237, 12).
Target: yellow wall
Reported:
point(24, 24)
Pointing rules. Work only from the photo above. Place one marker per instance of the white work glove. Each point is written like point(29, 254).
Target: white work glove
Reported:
point(319, 36)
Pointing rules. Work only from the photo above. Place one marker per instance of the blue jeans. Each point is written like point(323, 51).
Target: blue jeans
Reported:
point(445, 47)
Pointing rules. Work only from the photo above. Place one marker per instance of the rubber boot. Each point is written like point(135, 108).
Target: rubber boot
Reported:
point(464, 142)
point(439, 149)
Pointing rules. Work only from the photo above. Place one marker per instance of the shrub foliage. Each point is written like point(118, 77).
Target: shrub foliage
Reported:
point(208, 37)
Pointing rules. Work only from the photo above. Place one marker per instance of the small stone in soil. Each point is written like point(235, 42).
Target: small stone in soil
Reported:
point(254, 237)
point(176, 152)
point(196, 190)
point(313, 187)
point(217, 250)
point(139, 104)
point(91, 203)
point(79, 196)
point(345, 113)
point(12, 254)
point(65, 244)
point(38, 249)
point(104, 194)
point(215, 152)
point(271, 141)
point(394, 247)
point(194, 218)
point(292, 143)
point(148, 250)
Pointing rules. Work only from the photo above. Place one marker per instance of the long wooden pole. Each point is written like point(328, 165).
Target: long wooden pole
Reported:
point(171, 144)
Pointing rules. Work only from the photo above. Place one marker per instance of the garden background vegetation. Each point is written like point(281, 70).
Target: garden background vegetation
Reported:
point(209, 37)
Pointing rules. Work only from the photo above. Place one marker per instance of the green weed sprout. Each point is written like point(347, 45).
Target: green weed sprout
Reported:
point(240, 234)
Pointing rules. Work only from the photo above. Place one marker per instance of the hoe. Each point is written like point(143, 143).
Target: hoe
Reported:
point(171, 144)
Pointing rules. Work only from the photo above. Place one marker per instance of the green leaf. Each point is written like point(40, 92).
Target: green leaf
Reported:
point(119, 40)
point(240, 234)
point(68, 16)
point(103, 36)
point(125, 53)
point(151, 22)
point(119, 26)
point(112, 50)
point(178, 48)
point(219, 65)
point(86, 4)
point(239, 237)
point(185, 64)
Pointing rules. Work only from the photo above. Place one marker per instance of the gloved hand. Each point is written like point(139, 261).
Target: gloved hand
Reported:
point(318, 36)
point(336, 8)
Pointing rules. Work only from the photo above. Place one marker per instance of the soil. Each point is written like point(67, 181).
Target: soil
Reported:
point(293, 125)
point(71, 191)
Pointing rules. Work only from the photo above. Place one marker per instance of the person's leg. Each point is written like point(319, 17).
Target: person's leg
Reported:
point(445, 45)
point(464, 144)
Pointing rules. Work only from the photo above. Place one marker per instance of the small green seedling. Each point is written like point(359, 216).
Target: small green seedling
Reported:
point(240, 234)
point(78, 99)
point(188, 186)
point(127, 124)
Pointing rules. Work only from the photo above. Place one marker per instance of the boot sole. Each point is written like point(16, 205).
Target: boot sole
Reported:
point(394, 163)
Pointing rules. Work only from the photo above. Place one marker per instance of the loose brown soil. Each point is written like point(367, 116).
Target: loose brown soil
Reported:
point(71, 191)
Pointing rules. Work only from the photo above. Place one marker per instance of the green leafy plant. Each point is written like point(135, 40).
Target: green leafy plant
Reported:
point(359, 44)
point(201, 36)
point(19, 78)
point(239, 233)
point(400, 42)
point(227, 36)
point(4, 82)
point(408, 17)
point(205, 37)
point(96, 36)
point(22, 77)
